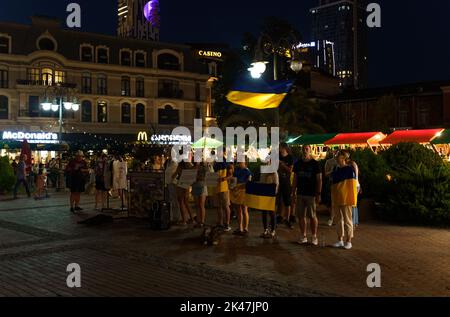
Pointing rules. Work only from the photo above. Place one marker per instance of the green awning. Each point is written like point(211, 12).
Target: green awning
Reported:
point(444, 138)
point(313, 139)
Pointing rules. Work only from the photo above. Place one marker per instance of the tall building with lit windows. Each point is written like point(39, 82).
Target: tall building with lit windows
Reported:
point(339, 22)
point(138, 19)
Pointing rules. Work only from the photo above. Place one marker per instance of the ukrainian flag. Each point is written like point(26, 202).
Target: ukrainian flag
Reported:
point(343, 189)
point(260, 196)
point(259, 94)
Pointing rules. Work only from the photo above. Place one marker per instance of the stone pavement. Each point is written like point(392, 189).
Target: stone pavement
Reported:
point(38, 239)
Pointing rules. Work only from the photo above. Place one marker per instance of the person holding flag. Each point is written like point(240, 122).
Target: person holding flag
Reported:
point(344, 194)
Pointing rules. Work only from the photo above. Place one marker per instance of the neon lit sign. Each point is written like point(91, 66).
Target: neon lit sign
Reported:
point(210, 54)
point(171, 139)
point(31, 137)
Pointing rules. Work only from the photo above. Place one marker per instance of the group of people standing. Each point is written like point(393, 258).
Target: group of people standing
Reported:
point(33, 177)
point(308, 179)
point(299, 186)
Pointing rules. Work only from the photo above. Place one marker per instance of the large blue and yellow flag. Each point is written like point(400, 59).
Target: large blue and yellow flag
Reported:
point(259, 94)
point(344, 187)
point(260, 196)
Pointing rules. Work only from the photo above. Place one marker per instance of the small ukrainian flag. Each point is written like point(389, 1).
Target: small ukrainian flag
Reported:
point(260, 196)
point(259, 94)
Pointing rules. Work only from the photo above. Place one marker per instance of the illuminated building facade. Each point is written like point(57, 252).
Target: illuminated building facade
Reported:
point(138, 19)
point(338, 22)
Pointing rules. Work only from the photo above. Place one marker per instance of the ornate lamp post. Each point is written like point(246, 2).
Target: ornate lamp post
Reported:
point(58, 96)
point(266, 46)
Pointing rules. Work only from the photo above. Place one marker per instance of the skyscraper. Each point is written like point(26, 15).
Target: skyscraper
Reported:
point(138, 19)
point(339, 22)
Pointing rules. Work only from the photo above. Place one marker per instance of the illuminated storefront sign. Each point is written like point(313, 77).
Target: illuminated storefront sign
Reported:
point(210, 54)
point(31, 137)
point(142, 137)
point(170, 139)
point(304, 45)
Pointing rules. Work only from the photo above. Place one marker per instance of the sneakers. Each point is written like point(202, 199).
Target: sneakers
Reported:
point(348, 246)
point(237, 232)
point(226, 228)
point(273, 234)
point(315, 241)
point(330, 223)
point(339, 244)
point(303, 241)
point(288, 224)
point(265, 234)
point(77, 208)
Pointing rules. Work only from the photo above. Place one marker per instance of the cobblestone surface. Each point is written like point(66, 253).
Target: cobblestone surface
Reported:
point(39, 239)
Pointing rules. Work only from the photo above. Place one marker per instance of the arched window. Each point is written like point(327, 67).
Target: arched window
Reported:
point(168, 61)
point(102, 55)
point(86, 111)
point(87, 54)
point(139, 59)
point(140, 82)
point(126, 113)
point(4, 111)
point(4, 78)
point(102, 85)
point(168, 115)
point(47, 76)
point(4, 45)
point(125, 58)
point(140, 113)
point(126, 87)
point(46, 44)
point(102, 112)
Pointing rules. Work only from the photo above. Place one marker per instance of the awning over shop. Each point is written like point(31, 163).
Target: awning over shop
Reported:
point(443, 138)
point(364, 138)
point(312, 139)
point(416, 136)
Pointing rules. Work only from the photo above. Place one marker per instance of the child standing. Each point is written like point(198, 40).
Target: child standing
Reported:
point(41, 179)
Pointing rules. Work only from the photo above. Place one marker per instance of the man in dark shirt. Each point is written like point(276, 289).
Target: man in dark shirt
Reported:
point(308, 183)
point(285, 190)
point(21, 175)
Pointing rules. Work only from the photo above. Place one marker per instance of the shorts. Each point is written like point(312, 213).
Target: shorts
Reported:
point(284, 194)
point(306, 207)
point(77, 184)
point(199, 189)
point(237, 195)
point(224, 199)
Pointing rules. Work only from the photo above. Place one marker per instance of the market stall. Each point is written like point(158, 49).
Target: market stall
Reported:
point(441, 144)
point(317, 142)
point(357, 140)
point(424, 137)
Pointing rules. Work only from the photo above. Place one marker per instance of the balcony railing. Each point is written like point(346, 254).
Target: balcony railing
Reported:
point(28, 82)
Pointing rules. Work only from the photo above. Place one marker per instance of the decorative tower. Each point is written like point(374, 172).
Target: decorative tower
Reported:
point(139, 19)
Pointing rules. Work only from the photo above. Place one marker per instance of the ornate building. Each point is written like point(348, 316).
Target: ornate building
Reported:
point(124, 86)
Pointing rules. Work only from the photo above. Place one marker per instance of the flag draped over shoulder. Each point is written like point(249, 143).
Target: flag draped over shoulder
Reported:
point(259, 94)
point(343, 190)
point(260, 196)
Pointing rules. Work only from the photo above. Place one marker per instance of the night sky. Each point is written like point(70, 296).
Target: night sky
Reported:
point(412, 45)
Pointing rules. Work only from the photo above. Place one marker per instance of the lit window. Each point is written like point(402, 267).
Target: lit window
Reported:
point(60, 77)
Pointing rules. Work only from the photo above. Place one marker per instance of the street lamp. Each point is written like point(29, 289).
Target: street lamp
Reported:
point(284, 46)
point(58, 96)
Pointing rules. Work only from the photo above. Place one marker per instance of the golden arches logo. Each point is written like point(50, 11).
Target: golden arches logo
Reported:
point(142, 136)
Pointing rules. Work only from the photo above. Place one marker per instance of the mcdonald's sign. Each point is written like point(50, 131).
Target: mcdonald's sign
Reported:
point(142, 137)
